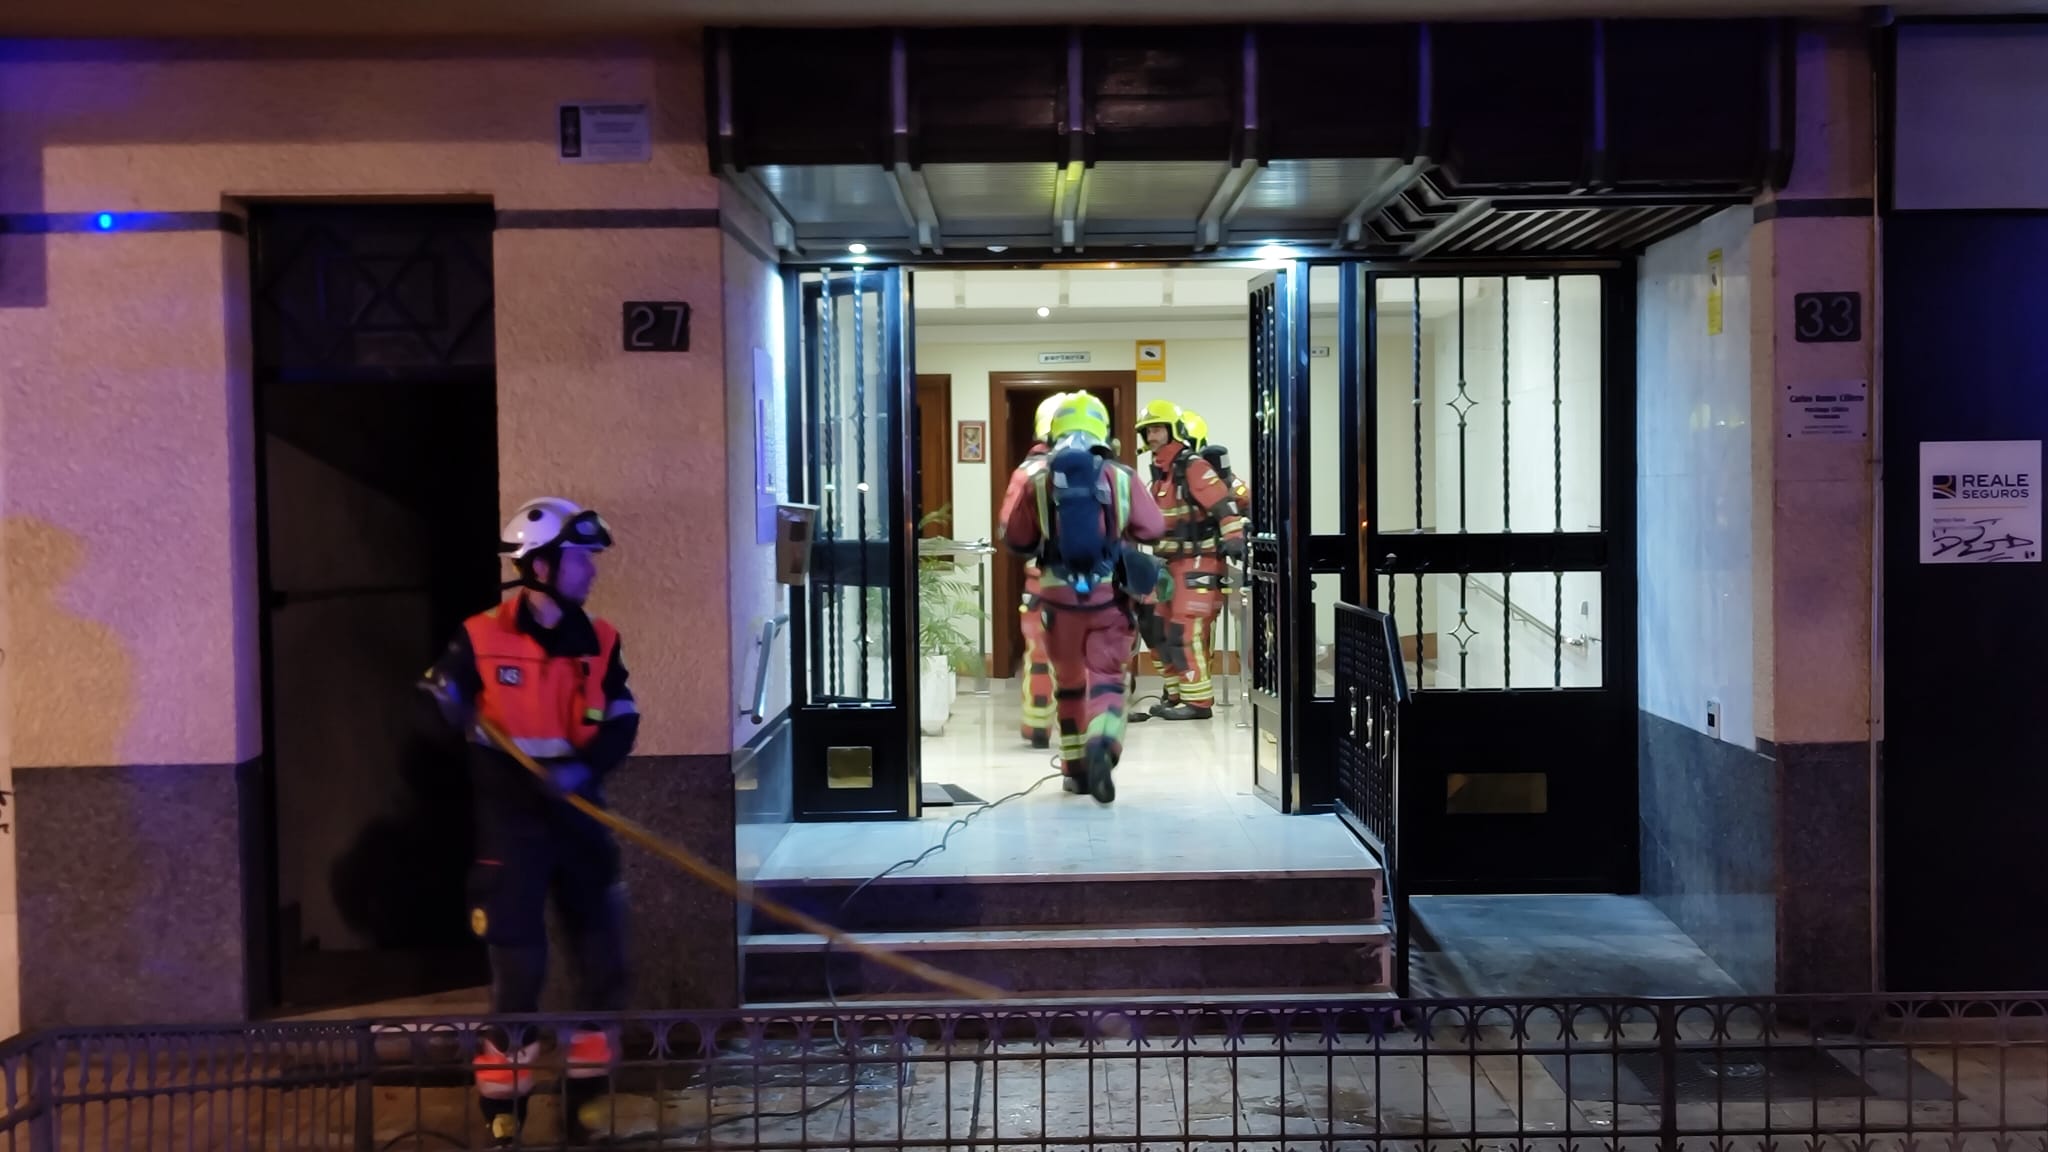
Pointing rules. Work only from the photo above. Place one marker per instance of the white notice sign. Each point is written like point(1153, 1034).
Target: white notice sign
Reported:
point(1827, 411)
point(1063, 357)
point(604, 133)
point(1980, 501)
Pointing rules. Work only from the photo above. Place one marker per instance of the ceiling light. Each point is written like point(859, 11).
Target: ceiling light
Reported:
point(1043, 312)
point(1274, 252)
point(856, 248)
point(999, 247)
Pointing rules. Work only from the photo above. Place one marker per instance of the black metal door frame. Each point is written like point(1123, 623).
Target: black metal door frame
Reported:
point(1582, 739)
point(837, 716)
point(1271, 562)
point(1284, 556)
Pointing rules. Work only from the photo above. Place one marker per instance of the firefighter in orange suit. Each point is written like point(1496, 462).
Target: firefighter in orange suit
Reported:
point(1079, 511)
point(1219, 459)
point(550, 677)
point(1203, 525)
point(1037, 679)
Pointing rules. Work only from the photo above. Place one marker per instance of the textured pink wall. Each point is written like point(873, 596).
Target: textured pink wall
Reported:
point(641, 437)
point(1812, 514)
point(126, 423)
point(120, 523)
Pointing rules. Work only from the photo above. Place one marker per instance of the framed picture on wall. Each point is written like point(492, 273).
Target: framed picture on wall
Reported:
point(973, 441)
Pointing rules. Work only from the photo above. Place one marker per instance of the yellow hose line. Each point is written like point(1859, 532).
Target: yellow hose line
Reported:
point(730, 885)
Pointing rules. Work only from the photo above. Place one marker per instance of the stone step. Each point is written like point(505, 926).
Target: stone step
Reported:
point(1296, 959)
point(1122, 900)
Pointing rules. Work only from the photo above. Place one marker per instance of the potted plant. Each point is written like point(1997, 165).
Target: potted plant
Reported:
point(948, 617)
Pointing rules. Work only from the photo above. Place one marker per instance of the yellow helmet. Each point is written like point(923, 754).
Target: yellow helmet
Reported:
point(1161, 412)
point(1080, 414)
point(1041, 425)
point(1196, 428)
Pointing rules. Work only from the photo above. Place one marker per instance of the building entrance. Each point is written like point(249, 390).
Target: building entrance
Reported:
point(1454, 450)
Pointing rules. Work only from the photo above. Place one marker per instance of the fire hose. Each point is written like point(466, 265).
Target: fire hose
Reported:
point(732, 886)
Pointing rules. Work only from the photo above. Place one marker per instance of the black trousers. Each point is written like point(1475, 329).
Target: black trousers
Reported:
point(524, 856)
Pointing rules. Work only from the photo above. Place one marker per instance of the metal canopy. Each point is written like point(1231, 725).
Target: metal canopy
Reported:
point(1543, 140)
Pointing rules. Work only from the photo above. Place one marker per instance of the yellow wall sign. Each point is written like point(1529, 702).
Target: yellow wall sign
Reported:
point(1714, 292)
point(1151, 361)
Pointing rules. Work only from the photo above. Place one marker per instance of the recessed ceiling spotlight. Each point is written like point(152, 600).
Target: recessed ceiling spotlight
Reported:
point(999, 247)
point(1043, 312)
point(857, 248)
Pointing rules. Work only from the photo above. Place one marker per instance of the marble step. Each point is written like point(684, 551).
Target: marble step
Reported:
point(1124, 900)
point(1294, 959)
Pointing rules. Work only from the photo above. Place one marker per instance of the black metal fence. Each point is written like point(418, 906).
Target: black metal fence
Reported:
point(1764, 1075)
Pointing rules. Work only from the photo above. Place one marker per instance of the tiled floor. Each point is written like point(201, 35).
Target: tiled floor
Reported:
point(1184, 806)
point(1562, 946)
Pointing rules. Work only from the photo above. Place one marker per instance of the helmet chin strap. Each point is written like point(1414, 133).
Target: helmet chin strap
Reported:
point(528, 580)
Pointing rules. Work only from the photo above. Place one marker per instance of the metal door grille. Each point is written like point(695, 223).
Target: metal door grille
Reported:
point(346, 294)
point(1262, 555)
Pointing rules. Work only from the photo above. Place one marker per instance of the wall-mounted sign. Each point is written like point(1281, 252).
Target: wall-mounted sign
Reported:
point(1980, 502)
point(1063, 357)
point(1151, 361)
point(597, 133)
point(657, 326)
point(1826, 411)
point(1714, 292)
point(1827, 317)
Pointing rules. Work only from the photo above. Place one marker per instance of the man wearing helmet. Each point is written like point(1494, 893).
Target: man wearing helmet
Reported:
point(1037, 679)
point(549, 676)
point(1077, 510)
point(1203, 524)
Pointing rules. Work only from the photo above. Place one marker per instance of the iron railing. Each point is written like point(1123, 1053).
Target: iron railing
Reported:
point(1372, 691)
point(1607, 1075)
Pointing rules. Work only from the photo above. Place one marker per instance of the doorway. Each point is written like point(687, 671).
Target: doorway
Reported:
point(1013, 399)
point(377, 496)
point(934, 417)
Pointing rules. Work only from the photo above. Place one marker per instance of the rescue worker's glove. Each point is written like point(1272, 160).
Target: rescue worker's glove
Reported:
point(569, 777)
point(1233, 547)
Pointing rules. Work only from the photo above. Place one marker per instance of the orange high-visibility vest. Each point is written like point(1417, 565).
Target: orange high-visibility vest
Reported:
point(551, 706)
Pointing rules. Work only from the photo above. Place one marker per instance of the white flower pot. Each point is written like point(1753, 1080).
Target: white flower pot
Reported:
point(936, 687)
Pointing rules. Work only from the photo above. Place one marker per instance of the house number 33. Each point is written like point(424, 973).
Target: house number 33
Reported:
point(1827, 317)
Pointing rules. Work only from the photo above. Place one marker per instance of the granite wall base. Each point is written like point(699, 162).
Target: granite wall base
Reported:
point(1710, 845)
point(682, 937)
point(1824, 867)
point(131, 894)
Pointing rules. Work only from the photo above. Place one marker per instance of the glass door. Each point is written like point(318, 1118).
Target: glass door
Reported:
point(1273, 568)
point(852, 634)
point(1501, 539)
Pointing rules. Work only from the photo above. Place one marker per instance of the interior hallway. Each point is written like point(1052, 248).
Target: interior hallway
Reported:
point(1184, 806)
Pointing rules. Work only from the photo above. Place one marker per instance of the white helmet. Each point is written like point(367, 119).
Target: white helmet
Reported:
point(551, 521)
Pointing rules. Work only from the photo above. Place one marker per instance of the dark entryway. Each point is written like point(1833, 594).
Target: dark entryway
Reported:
point(375, 406)
point(1013, 399)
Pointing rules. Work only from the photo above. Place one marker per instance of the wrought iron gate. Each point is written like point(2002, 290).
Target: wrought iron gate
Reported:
point(1273, 552)
point(1501, 539)
point(851, 641)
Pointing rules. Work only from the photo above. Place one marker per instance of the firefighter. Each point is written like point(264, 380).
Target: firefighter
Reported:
point(1203, 525)
point(1219, 458)
point(549, 676)
point(1037, 678)
point(1078, 511)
